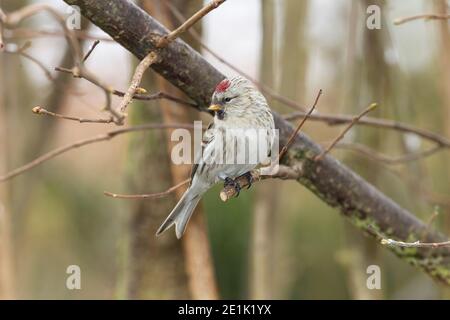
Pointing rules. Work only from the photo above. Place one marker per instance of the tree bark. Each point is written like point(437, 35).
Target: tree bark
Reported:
point(338, 186)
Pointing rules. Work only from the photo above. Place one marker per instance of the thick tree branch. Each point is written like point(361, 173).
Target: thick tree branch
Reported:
point(365, 206)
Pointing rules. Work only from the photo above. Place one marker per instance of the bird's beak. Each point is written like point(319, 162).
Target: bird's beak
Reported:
point(215, 107)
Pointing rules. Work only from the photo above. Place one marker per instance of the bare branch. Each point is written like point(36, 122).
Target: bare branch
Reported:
point(147, 196)
point(430, 222)
point(416, 244)
point(136, 81)
point(99, 138)
point(300, 125)
point(374, 155)
point(22, 53)
point(40, 110)
point(91, 49)
point(12, 19)
point(342, 134)
point(431, 16)
point(415, 185)
point(164, 41)
point(374, 122)
point(137, 96)
point(20, 33)
point(156, 96)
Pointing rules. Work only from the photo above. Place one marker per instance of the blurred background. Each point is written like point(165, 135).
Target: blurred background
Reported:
point(277, 240)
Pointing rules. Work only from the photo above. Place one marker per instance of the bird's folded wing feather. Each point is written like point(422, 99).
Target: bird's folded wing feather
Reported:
point(208, 136)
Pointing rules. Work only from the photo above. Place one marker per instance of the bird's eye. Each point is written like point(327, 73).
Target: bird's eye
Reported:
point(228, 99)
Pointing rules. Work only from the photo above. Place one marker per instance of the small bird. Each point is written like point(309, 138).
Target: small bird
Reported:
point(240, 110)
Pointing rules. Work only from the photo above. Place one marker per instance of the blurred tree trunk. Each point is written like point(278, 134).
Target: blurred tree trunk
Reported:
point(442, 7)
point(290, 68)
point(6, 256)
point(184, 267)
point(366, 85)
point(293, 55)
point(13, 79)
point(155, 266)
point(198, 260)
point(43, 131)
point(263, 232)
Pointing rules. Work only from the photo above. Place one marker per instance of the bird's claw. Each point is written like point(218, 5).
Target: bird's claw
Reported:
point(249, 177)
point(234, 184)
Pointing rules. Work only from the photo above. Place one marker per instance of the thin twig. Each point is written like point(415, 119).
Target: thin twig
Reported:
point(147, 196)
point(40, 110)
point(370, 153)
point(99, 138)
point(108, 90)
point(82, 72)
point(164, 41)
point(135, 81)
point(11, 20)
point(22, 53)
point(137, 96)
point(88, 53)
point(415, 185)
point(417, 244)
point(431, 16)
point(374, 122)
point(342, 134)
point(430, 222)
point(300, 125)
point(19, 33)
point(156, 96)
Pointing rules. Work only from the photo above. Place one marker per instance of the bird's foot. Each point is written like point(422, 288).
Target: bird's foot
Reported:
point(234, 184)
point(248, 175)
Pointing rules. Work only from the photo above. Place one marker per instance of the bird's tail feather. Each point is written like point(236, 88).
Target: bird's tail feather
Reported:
point(181, 214)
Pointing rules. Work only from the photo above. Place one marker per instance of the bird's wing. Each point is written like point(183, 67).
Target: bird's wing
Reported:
point(208, 136)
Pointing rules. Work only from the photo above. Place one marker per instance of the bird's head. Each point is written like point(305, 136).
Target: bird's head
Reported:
point(236, 97)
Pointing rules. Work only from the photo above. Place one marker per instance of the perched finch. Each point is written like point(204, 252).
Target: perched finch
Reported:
point(243, 128)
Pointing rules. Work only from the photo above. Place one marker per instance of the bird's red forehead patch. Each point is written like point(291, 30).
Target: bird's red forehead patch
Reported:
point(223, 85)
